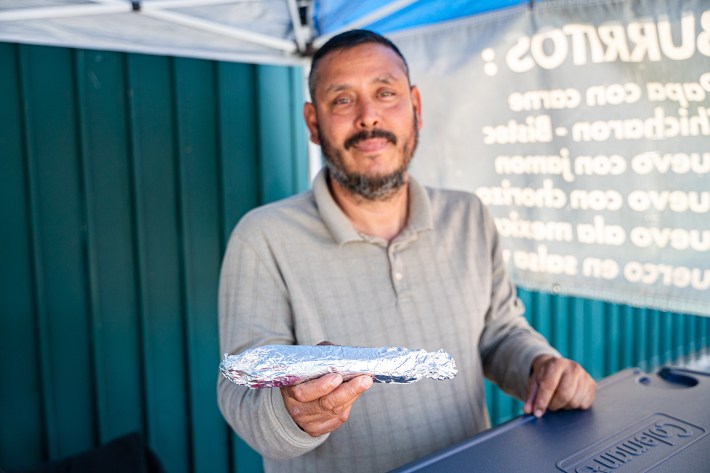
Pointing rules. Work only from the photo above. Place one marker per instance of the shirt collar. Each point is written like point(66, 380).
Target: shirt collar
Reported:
point(419, 217)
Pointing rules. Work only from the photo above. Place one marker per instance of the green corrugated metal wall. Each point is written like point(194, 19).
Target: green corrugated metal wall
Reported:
point(121, 176)
point(606, 338)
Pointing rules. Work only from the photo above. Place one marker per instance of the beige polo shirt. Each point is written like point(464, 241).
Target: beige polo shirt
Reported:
point(297, 272)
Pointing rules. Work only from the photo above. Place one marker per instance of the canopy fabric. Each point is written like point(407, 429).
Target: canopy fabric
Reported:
point(255, 31)
point(252, 31)
point(334, 16)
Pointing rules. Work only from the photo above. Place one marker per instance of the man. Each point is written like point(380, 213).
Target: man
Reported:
point(371, 258)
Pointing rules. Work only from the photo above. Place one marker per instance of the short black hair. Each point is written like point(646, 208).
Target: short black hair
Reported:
point(348, 40)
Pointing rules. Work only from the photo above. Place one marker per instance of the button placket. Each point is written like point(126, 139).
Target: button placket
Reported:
point(396, 269)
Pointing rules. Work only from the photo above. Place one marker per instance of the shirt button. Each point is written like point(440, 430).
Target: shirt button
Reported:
point(398, 276)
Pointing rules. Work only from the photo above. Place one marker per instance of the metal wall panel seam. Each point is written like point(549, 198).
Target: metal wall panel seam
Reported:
point(139, 246)
point(611, 353)
point(666, 330)
point(209, 322)
point(235, 83)
point(239, 147)
point(108, 172)
point(181, 129)
point(645, 344)
point(90, 253)
point(301, 180)
point(595, 327)
point(278, 162)
point(577, 342)
point(178, 115)
point(63, 244)
point(59, 209)
point(240, 190)
point(220, 156)
point(46, 388)
point(224, 431)
point(541, 315)
point(696, 347)
point(165, 382)
point(560, 327)
point(627, 337)
point(183, 124)
point(654, 338)
point(679, 342)
point(667, 336)
point(17, 314)
point(196, 109)
point(22, 402)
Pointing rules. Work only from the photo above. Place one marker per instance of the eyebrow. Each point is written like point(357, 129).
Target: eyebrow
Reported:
point(386, 78)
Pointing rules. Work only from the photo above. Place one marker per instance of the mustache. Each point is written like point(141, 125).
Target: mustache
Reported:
point(366, 135)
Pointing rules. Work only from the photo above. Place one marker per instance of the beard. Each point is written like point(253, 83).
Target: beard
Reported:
point(376, 187)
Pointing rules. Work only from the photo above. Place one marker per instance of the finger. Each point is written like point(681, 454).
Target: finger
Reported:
point(576, 389)
point(585, 393)
point(311, 390)
point(325, 342)
point(319, 425)
point(345, 395)
point(531, 392)
point(328, 413)
point(547, 381)
point(565, 396)
point(591, 394)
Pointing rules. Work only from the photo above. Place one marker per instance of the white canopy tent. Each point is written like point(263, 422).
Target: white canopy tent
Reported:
point(262, 31)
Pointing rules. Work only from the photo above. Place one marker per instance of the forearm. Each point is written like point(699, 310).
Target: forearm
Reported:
point(510, 363)
point(260, 418)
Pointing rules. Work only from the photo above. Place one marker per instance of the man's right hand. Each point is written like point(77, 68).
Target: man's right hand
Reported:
point(322, 405)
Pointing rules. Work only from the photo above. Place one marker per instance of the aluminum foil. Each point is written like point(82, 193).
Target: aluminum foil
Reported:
point(272, 366)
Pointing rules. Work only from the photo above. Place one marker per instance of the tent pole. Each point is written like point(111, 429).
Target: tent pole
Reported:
point(185, 3)
point(300, 32)
point(185, 20)
point(63, 12)
point(167, 4)
point(99, 7)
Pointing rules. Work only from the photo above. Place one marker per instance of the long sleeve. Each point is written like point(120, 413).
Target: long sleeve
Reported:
point(508, 344)
point(254, 310)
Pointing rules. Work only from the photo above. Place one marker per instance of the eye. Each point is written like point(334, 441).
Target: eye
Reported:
point(342, 100)
point(387, 93)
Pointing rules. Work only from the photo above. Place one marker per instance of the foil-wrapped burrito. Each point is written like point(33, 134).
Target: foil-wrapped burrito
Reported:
point(272, 366)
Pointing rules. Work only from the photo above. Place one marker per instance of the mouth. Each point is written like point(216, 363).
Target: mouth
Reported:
point(371, 141)
point(371, 145)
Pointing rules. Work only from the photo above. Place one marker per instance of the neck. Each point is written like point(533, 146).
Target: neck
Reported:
point(380, 218)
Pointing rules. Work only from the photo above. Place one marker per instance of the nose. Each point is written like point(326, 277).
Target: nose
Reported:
point(368, 115)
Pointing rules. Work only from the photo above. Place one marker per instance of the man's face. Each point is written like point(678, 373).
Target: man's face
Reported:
point(366, 118)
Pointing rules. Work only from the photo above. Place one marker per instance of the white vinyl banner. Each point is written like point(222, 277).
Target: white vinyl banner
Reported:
point(584, 125)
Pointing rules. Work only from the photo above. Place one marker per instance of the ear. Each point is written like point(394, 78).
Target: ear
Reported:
point(417, 104)
point(311, 118)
